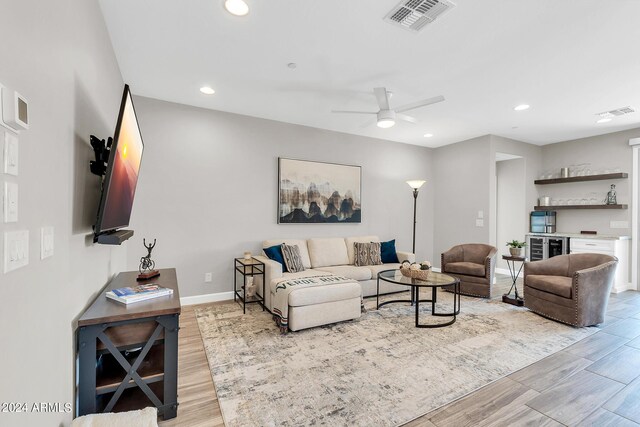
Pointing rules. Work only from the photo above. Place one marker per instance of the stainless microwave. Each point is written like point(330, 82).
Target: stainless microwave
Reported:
point(543, 222)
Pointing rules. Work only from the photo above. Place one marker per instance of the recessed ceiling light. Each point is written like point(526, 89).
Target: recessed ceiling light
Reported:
point(428, 135)
point(521, 107)
point(605, 120)
point(236, 7)
point(207, 90)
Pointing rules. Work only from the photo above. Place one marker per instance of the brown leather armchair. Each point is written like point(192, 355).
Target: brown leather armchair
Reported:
point(572, 289)
point(474, 264)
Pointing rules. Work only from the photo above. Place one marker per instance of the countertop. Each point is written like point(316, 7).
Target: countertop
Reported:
point(582, 236)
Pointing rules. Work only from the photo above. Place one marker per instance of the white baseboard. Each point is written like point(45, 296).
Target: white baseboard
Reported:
point(436, 269)
point(617, 290)
point(506, 271)
point(203, 299)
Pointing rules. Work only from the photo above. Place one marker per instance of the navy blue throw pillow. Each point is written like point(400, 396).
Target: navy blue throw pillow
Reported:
point(275, 253)
point(388, 252)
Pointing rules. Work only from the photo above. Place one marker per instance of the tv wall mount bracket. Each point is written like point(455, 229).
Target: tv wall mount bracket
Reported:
point(101, 149)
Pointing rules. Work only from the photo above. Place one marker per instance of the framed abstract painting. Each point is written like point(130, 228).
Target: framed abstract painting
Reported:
point(316, 192)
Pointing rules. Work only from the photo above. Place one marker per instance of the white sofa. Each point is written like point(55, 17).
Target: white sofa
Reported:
point(332, 303)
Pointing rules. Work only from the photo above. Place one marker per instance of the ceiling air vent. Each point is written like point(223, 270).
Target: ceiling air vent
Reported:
point(415, 14)
point(616, 113)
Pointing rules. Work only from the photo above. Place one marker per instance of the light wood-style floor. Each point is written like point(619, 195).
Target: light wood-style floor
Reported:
point(198, 403)
point(595, 382)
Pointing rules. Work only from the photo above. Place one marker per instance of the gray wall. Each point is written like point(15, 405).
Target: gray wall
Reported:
point(462, 174)
point(532, 155)
point(208, 189)
point(522, 205)
point(604, 151)
point(511, 200)
point(465, 175)
point(58, 55)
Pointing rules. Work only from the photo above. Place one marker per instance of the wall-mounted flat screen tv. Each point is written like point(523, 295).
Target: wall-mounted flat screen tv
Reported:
point(121, 177)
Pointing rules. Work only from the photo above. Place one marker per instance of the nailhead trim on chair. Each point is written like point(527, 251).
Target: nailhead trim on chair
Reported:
point(469, 294)
point(553, 318)
point(575, 286)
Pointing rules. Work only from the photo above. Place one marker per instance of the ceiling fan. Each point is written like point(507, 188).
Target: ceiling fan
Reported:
point(386, 115)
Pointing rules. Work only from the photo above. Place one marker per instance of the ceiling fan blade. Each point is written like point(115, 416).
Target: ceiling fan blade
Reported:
point(406, 118)
point(353, 112)
point(365, 125)
point(419, 104)
point(382, 96)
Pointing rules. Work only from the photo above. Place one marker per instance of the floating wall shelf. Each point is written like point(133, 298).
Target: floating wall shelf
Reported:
point(559, 207)
point(618, 175)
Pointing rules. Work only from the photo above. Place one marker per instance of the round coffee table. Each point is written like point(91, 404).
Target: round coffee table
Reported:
point(434, 281)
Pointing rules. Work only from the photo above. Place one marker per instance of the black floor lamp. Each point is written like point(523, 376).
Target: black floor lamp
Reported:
point(415, 184)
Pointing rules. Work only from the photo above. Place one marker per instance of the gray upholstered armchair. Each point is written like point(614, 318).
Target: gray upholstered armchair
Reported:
point(571, 289)
point(474, 264)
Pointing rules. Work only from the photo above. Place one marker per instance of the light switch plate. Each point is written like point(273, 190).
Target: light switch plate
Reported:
point(480, 214)
point(16, 249)
point(479, 222)
point(10, 154)
point(10, 202)
point(46, 242)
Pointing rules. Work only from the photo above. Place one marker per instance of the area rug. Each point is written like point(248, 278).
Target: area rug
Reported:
point(378, 370)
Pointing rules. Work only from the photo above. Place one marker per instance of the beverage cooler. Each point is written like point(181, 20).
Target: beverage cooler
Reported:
point(544, 247)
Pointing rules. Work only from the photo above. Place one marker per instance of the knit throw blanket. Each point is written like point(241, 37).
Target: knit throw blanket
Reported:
point(284, 287)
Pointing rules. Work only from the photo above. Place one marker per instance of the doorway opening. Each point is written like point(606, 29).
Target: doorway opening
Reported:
point(511, 215)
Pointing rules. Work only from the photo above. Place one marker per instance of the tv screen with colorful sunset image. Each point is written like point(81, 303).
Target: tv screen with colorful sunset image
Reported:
point(122, 170)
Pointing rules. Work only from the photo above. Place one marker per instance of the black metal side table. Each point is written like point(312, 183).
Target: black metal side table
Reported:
point(247, 268)
point(517, 299)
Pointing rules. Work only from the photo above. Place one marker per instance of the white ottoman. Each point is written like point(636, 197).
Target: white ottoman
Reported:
point(322, 305)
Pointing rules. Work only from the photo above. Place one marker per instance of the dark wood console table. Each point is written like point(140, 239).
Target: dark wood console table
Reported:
point(127, 355)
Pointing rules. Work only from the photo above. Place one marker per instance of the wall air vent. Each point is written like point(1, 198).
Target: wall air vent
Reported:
point(616, 113)
point(415, 14)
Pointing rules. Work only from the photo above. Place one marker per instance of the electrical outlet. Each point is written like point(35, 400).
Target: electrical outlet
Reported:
point(16, 249)
point(208, 277)
point(479, 222)
point(619, 224)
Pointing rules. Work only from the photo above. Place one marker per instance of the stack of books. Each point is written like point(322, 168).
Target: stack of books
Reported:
point(138, 293)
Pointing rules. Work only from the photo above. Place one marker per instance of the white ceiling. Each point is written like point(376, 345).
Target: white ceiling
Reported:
point(568, 59)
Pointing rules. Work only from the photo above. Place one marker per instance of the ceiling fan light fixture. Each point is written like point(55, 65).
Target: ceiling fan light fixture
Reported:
point(386, 119)
point(236, 7)
point(386, 123)
point(387, 116)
